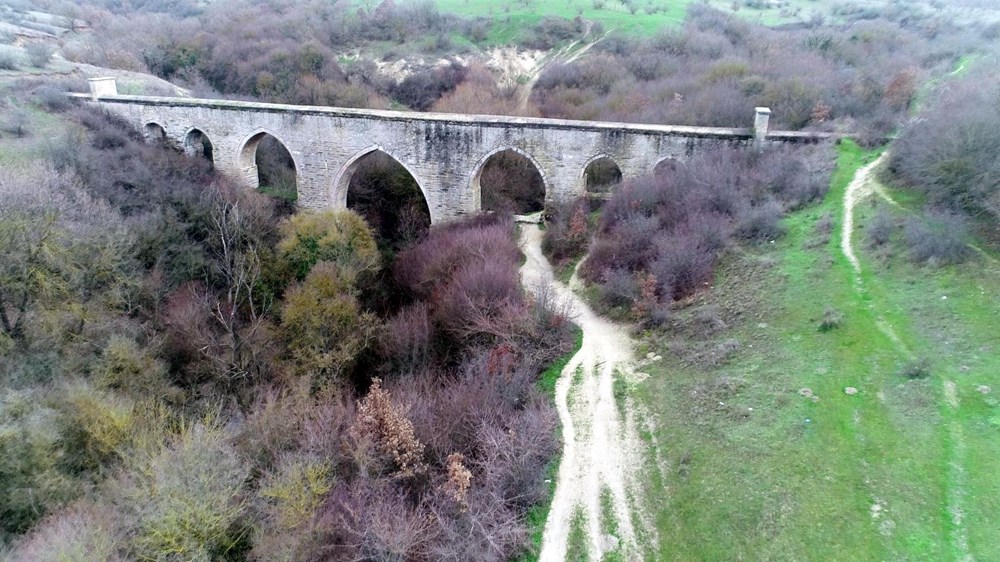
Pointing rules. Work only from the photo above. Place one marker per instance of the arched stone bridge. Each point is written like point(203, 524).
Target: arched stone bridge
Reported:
point(445, 153)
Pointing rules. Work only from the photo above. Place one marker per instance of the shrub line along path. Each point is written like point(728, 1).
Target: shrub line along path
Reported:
point(602, 452)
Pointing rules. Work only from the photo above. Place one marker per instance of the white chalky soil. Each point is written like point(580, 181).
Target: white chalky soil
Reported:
point(601, 450)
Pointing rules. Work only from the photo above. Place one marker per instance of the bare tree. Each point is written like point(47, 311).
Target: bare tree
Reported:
point(240, 309)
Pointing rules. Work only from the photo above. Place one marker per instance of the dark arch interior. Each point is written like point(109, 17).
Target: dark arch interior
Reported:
point(602, 175)
point(510, 183)
point(665, 166)
point(383, 192)
point(197, 144)
point(154, 133)
point(276, 170)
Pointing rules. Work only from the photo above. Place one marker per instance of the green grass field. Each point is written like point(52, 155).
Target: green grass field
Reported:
point(757, 468)
point(41, 130)
point(511, 17)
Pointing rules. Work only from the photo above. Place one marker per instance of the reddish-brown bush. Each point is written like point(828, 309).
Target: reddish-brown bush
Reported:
point(675, 224)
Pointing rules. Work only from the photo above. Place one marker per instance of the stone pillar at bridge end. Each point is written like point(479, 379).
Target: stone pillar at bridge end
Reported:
point(760, 124)
point(103, 87)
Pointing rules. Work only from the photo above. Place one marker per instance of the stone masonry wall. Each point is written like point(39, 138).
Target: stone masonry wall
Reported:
point(443, 152)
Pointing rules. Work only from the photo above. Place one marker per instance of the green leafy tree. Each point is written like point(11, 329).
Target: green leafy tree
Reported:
point(341, 237)
point(324, 324)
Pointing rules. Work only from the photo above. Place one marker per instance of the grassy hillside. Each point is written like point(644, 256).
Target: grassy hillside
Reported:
point(763, 455)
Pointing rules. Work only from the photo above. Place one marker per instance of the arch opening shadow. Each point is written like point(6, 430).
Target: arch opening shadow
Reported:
point(269, 166)
point(385, 193)
point(665, 166)
point(196, 143)
point(602, 175)
point(154, 133)
point(509, 181)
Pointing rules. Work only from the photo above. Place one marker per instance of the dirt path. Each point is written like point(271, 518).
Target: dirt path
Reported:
point(564, 55)
point(860, 187)
point(863, 185)
point(601, 449)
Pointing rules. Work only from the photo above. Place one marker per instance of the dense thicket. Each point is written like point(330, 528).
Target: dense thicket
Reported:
point(184, 371)
point(283, 52)
point(659, 237)
point(949, 153)
point(860, 78)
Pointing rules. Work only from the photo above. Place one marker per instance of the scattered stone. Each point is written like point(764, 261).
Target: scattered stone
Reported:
point(650, 355)
point(658, 358)
point(762, 325)
point(850, 391)
point(814, 398)
point(983, 389)
point(749, 409)
point(876, 510)
point(807, 392)
point(944, 297)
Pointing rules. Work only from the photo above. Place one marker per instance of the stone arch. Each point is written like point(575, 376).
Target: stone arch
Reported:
point(154, 133)
point(246, 157)
point(338, 193)
point(665, 165)
point(601, 173)
point(399, 216)
point(197, 143)
point(477, 174)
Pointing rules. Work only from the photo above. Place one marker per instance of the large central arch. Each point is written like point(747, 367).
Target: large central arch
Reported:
point(477, 174)
point(342, 183)
point(387, 194)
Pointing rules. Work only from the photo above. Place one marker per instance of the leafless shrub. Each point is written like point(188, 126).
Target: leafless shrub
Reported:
point(947, 153)
point(84, 532)
point(879, 230)
point(760, 223)
point(937, 239)
point(682, 266)
point(39, 54)
point(568, 232)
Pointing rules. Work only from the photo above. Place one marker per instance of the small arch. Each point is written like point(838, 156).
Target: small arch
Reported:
point(523, 193)
point(387, 194)
point(666, 166)
point(154, 133)
point(268, 165)
point(601, 174)
point(197, 143)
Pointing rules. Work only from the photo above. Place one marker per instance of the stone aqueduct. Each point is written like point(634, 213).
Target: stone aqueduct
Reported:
point(445, 153)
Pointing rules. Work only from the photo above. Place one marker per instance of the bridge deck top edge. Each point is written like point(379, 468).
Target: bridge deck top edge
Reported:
point(464, 119)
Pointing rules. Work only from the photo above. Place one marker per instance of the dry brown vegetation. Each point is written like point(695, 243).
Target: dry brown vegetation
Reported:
point(187, 371)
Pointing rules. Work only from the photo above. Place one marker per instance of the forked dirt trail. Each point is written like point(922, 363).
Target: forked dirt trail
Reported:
point(601, 448)
point(863, 185)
